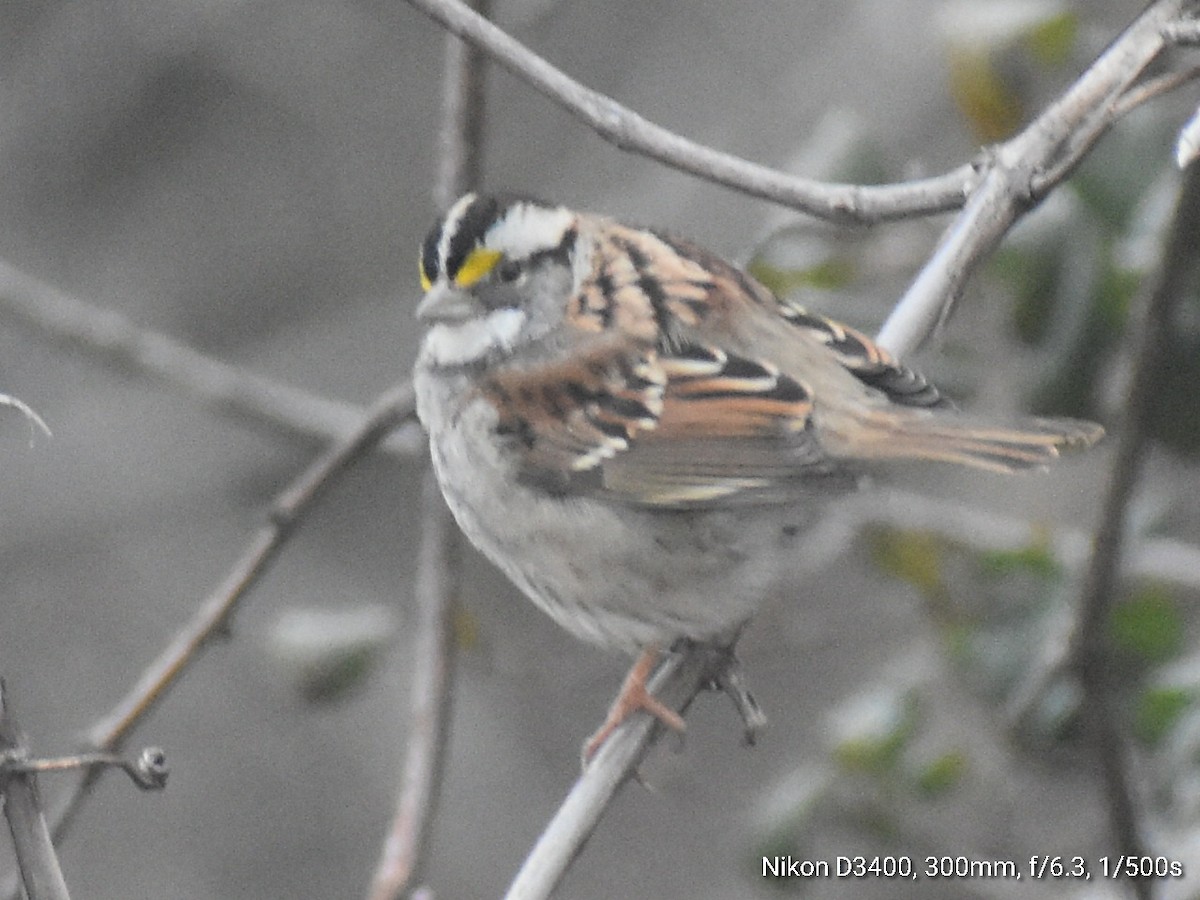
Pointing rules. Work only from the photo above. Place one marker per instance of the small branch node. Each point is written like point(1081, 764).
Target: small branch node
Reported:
point(148, 770)
point(1184, 32)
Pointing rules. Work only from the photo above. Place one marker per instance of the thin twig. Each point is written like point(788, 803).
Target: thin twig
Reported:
point(148, 770)
point(676, 683)
point(223, 387)
point(36, 422)
point(1187, 146)
point(213, 617)
point(1152, 89)
point(629, 131)
point(1091, 651)
point(1012, 184)
point(402, 859)
point(1185, 32)
point(38, 863)
point(1080, 142)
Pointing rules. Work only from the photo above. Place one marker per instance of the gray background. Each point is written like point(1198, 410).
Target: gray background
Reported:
point(254, 178)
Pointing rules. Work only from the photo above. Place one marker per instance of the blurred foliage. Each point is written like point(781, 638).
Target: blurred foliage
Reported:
point(884, 765)
point(465, 626)
point(996, 611)
point(1147, 626)
point(826, 274)
point(872, 731)
point(1052, 41)
point(991, 108)
point(915, 557)
point(1037, 559)
point(1158, 711)
point(1074, 267)
point(999, 53)
point(942, 773)
point(325, 654)
point(1075, 277)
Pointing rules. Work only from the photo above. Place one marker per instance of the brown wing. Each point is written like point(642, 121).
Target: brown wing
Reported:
point(653, 427)
point(857, 353)
point(650, 409)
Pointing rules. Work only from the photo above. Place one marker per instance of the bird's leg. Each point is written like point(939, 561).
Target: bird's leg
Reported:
point(729, 678)
point(634, 697)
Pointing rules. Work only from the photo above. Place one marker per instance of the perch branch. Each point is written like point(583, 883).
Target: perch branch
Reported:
point(676, 683)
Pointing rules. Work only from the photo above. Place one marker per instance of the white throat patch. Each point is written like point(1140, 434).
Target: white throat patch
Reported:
point(459, 343)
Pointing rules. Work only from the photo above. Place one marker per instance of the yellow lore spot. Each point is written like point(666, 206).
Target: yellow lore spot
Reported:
point(478, 263)
point(426, 281)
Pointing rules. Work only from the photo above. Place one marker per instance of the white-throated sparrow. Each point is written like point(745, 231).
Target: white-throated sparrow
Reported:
point(638, 433)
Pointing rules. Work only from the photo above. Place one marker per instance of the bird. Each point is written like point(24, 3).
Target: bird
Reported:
point(638, 434)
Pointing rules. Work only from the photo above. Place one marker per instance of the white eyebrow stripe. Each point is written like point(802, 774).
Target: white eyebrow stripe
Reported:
point(450, 226)
point(527, 228)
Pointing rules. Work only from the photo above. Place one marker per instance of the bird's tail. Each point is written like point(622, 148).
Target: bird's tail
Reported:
point(1031, 443)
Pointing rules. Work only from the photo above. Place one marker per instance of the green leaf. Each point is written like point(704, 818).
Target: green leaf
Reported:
point(992, 109)
point(1051, 41)
point(911, 556)
point(1147, 625)
point(1158, 710)
point(942, 774)
point(828, 274)
point(1036, 559)
point(872, 731)
point(326, 653)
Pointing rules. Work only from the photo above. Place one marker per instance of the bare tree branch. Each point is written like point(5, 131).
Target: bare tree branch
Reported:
point(223, 387)
point(40, 872)
point(1091, 651)
point(1185, 32)
point(629, 131)
point(214, 615)
point(36, 423)
point(676, 683)
point(1152, 89)
point(400, 863)
point(148, 770)
point(1015, 182)
point(1187, 147)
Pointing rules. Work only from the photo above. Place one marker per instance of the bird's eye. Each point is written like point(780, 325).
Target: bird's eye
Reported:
point(508, 271)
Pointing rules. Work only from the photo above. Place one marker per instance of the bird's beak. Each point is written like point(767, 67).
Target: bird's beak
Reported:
point(446, 303)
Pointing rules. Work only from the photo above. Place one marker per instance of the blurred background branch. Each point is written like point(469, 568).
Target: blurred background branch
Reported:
point(1163, 294)
point(41, 873)
point(222, 387)
point(214, 616)
point(461, 153)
